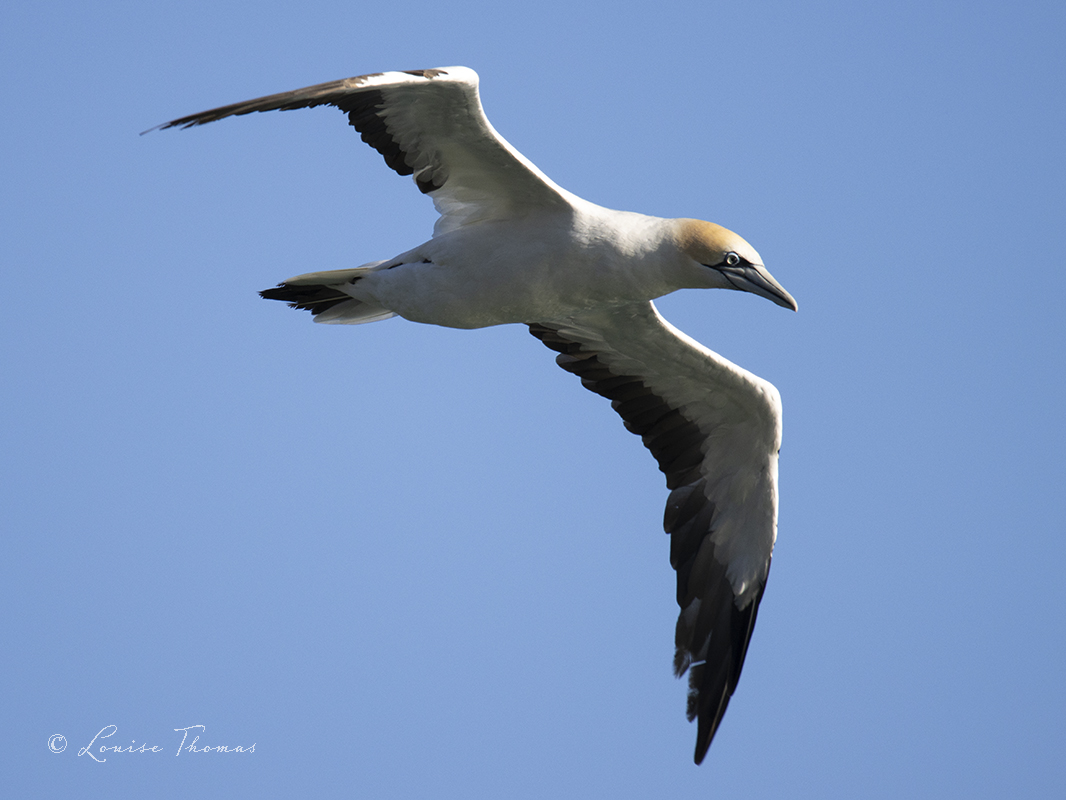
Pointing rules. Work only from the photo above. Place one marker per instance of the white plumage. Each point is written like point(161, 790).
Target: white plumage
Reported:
point(511, 246)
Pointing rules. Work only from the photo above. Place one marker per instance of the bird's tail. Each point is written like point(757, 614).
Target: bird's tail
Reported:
point(322, 293)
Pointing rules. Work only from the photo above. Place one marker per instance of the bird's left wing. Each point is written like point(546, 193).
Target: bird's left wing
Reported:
point(428, 123)
point(715, 430)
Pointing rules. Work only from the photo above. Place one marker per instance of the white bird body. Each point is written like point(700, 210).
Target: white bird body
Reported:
point(513, 247)
point(545, 267)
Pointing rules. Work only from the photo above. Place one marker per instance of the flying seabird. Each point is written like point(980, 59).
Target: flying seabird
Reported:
point(511, 246)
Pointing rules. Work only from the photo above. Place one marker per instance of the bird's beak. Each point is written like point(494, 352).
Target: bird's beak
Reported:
point(755, 279)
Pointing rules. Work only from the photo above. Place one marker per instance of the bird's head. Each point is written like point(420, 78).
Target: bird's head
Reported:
point(727, 261)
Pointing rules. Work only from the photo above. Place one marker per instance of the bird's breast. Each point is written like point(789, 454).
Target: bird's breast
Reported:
point(523, 271)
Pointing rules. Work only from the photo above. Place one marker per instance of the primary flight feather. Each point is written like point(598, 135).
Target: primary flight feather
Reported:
point(512, 246)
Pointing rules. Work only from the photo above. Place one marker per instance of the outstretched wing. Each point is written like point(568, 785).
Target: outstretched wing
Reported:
point(715, 430)
point(430, 124)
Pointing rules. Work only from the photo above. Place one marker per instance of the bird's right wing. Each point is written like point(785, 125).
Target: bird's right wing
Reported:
point(430, 124)
point(715, 430)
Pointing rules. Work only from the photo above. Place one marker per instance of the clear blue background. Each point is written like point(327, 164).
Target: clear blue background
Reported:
point(414, 562)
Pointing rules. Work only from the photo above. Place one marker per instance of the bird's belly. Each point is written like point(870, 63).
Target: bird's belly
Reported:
point(475, 284)
point(476, 298)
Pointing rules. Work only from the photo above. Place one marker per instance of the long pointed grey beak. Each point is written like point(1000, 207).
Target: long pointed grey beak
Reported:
point(755, 279)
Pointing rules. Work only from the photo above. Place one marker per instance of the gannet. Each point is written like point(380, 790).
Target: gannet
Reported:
point(511, 246)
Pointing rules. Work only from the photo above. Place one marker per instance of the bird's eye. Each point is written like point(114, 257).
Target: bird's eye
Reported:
point(732, 259)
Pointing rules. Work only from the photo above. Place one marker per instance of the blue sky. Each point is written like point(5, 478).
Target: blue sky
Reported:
point(405, 561)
